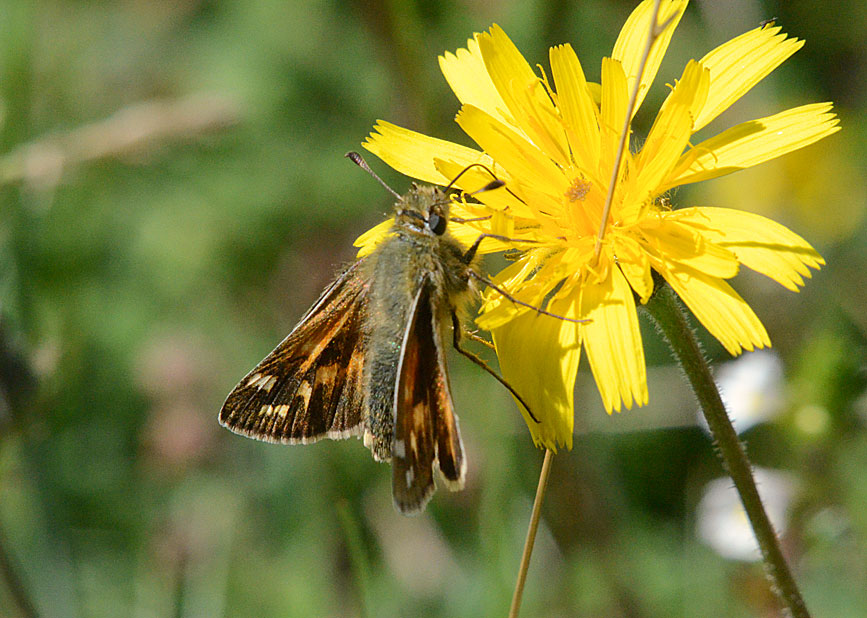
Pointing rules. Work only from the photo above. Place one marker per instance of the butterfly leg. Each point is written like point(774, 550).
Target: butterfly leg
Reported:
point(457, 330)
point(508, 296)
point(478, 339)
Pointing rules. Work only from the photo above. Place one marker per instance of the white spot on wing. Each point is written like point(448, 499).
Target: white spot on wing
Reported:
point(262, 382)
point(410, 477)
point(304, 391)
point(400, 449)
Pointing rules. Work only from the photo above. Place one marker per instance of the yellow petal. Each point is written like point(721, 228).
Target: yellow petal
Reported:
point(413, 153)
point(466, 73)
point(595, 92)
point(759, 243)
point(526, 164)
point(634, 263)
point(676, 243)
point(367, 242)
point(539, 357)
point(613, 341)
point(630, 45)
point(520, 270)
point(524, 95)
point(466, 235)
point(739, 64)
point(669, 134)
point(754, 142)
point(615, 99)
point(720, 309)
point(576, 105)
point(474, 178)
point(531, 280)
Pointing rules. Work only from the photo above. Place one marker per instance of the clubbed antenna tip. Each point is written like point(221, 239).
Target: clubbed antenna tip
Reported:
point(360, 162)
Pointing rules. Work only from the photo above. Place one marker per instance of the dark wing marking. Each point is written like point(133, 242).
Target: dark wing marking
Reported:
point(426, 429)
point(450, 447)
point(310, 386)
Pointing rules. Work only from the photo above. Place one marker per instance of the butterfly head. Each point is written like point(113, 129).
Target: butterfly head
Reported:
point(424, 209)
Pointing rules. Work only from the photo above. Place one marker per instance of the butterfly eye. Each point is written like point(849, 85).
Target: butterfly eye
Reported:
point(437, 224)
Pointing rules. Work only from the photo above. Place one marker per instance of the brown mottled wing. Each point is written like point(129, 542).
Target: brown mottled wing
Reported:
point(426, 431)
point(309, 387)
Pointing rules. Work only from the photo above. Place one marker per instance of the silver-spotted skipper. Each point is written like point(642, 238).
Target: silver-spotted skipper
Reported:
point(368, 358)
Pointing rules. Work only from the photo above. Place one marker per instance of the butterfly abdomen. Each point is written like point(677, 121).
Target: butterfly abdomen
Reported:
point(392, 289)
point(400, 265)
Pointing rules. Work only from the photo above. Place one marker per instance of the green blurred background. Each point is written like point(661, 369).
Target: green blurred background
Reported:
point(173, 196)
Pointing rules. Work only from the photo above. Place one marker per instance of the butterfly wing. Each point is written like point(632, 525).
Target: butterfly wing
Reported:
point(310, 386)
point(426, 433)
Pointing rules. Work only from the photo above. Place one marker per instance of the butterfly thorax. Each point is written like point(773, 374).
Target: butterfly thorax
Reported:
point(422, 224)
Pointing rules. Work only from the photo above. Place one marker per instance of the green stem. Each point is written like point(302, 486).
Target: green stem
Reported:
point(531, 534)
point(668, 314)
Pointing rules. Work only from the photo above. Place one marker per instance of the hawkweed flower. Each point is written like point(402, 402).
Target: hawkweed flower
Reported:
point(554, 141)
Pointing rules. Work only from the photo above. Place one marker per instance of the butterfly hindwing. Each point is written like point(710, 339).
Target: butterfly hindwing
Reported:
point(426, 431)
point(310, 386)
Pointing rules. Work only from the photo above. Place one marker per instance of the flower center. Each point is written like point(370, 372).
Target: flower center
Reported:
point(578, 189)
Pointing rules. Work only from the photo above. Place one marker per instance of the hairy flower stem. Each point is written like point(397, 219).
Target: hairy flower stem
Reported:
point(531, 533)
point(665, 308)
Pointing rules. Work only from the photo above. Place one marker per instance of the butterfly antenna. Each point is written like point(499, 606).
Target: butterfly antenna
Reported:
point(360, 162)
point(496, 183)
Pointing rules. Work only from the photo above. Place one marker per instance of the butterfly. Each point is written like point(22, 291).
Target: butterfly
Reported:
point(368, 359)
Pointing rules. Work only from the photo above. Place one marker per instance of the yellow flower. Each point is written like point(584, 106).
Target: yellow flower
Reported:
point(555, 144)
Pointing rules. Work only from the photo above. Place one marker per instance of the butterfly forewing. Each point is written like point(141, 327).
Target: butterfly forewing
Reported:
point(310, 386)
point(426, 431)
